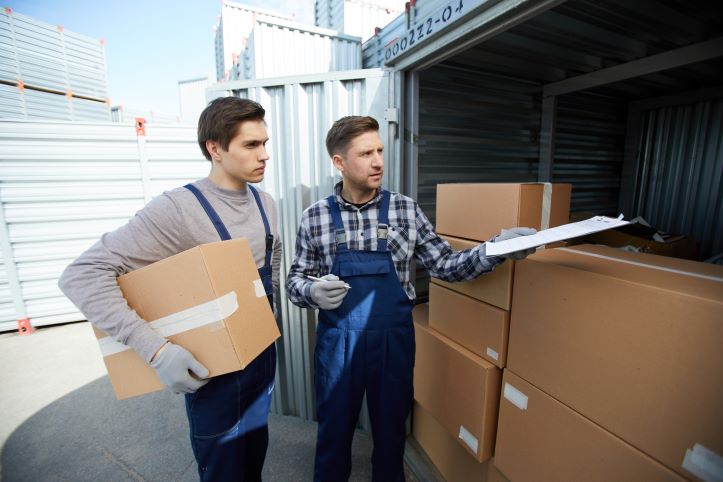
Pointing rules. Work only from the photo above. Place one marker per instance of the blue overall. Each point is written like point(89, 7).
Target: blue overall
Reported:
point(367, 344)
point(228, 416)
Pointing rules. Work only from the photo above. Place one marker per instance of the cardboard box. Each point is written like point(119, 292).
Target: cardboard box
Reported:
point(458, 388)
point(481, 211)
point(477, 326)
point(208, 299)
point(494, 288)
point(631, 341)
point(541, 440)
point(453, 462)
point(641, 238)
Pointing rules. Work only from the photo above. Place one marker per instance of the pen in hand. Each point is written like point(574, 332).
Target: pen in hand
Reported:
point(315, 278)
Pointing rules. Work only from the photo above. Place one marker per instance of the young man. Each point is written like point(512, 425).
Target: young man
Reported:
point(227, 414)
point(361, 240)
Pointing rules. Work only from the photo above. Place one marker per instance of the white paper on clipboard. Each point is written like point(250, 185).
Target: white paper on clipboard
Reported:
point(553, 235)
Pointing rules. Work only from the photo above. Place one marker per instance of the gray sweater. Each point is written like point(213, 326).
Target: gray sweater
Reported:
point(170, 223)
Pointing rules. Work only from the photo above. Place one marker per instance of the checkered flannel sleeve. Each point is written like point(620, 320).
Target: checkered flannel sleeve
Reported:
point(442, 262)
point(306, 262)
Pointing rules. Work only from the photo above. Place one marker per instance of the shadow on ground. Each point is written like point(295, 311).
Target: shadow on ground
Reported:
point(89, 435)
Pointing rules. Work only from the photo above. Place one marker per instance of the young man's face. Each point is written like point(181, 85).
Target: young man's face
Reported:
point(245, 159)
point(363, 165)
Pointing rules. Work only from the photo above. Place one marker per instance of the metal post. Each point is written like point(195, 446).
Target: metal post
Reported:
point(547, 138)
point(10, 266)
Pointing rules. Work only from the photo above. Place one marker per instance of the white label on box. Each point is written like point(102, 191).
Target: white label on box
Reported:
point(704, 463)
point(468, 438)
point(492, 354)
point(516, 397)
point(259, 288)
point(188, 319)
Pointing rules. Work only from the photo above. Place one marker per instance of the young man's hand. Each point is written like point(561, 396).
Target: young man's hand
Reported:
point(513, 233)
point(176, 366)
point(329, 292)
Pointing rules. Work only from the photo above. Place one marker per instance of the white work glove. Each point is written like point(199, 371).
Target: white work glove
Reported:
point(176, 366)
point(329, 293)
point(513, 233)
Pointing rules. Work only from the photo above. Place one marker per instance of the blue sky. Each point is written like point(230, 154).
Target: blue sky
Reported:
point(150, 44)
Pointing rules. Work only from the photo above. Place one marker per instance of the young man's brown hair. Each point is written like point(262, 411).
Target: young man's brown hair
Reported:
point(346, 129)
point(219, 121)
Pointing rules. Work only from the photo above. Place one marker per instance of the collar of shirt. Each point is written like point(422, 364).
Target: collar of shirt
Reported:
point(343, 202)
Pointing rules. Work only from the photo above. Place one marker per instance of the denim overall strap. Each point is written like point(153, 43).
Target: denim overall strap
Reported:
point(212, 214)
point(269, 237)
point(383, 222)
point(339, 232)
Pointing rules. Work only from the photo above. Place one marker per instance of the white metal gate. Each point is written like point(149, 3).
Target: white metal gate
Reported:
point(64, 184)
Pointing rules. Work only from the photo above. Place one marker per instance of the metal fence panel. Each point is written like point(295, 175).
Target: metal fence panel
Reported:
point(62, 185)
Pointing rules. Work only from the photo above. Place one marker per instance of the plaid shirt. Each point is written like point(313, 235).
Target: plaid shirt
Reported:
point(410, 235)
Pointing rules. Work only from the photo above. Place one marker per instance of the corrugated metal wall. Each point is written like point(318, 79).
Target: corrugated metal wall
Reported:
point(589, 148)
point(61, 186)
point(298, 114)
point(680, 189)
point(277, 48)
point(356, 17)
point(475, 127)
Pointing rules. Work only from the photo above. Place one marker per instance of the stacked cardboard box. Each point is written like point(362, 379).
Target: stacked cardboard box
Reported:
point(613, 369)
point(463, 347)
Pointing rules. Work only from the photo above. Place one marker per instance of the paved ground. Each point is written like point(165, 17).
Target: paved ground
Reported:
point(60, 421)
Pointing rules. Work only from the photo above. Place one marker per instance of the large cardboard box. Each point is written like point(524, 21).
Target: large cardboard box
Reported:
point(208, 299)
point(541, 440)
point(453, 462)
point(631, 341)
point(481, 211)
point(458, 388)
point(494, 288)
point(477, 326)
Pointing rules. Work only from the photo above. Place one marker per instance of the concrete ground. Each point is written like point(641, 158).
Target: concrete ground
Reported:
point(60, 421)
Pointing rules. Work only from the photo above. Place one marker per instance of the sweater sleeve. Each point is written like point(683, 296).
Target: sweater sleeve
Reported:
point(90, 281)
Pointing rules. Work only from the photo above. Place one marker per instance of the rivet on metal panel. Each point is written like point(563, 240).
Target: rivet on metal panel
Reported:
point(140, 126)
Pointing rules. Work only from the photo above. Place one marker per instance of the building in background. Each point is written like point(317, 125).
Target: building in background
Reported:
point(276, 47)
point(231, 34)
point(192, 98)
point(47, 72)
point(256, 44)
point(359, 18)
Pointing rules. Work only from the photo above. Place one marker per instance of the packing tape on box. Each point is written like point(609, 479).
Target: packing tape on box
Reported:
point(516, 397)
point(546, 205)
point(259, 288)
point(492, 354)
point(704, 463)
point(644, 265)
point(194, 317)
point(468, 438)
